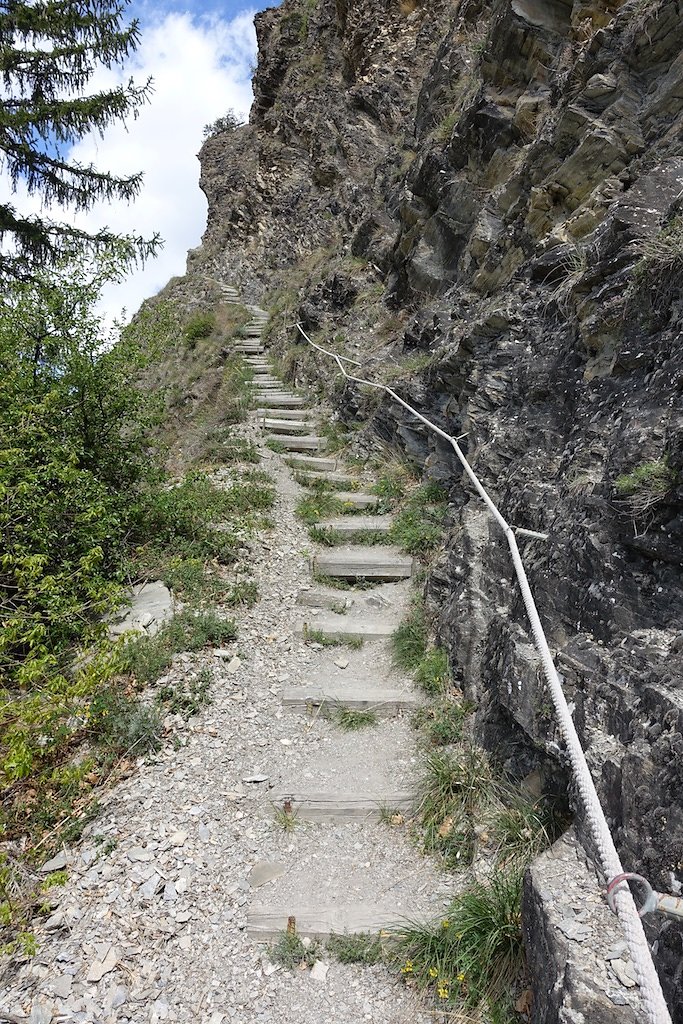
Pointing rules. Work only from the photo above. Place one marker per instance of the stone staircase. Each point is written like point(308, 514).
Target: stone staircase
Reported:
point(361, 776)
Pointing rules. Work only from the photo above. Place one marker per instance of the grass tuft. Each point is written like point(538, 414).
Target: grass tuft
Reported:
point(363, 948)
point(418, 527)
point(645, 486)
point(286, 820)
point(432, 672)
point(147, 658)
point(443, 721)
point(409, 640)
point(319, 505)
point(290, 951)
point(455, 792)
point(522, 829)
point(474, 956)
point(354, 719)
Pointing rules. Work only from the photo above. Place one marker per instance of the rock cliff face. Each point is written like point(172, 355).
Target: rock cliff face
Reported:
point(484, 200)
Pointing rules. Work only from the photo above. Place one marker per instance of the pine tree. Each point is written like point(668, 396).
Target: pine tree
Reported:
point(49, 51)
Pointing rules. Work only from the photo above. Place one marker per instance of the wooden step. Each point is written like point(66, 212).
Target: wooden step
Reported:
point(300, 443)
point(354, 526)
point(333, 807)
point(320, 599)
point(285, 426)
point(310, 462)
point(279, 399)
point(357, 499)
point(315, 921)
point(366, 626)
point(350, 563)
point(285, 414)
point(385, 701)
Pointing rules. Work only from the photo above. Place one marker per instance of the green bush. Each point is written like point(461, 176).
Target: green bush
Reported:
point(123, 724)
point(201, 325)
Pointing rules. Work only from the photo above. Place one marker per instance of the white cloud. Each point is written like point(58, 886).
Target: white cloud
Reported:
point(201, 69)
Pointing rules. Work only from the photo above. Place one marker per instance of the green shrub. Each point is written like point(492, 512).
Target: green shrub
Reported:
point(201, 325)
point(123, 724)
point(226, 123)
point(187, 696)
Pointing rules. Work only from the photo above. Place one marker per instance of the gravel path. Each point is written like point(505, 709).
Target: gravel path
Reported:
point(151, 925)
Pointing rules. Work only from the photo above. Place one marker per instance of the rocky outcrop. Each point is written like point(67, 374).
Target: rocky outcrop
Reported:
point(484, 199)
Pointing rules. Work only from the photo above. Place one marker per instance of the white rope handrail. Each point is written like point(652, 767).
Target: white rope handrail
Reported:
point(651, 992)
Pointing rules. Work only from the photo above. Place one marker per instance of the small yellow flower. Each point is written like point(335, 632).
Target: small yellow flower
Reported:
point(443, 992)
point(433, 972)
point(407, 967)
point(445, 924)
point(461, 977)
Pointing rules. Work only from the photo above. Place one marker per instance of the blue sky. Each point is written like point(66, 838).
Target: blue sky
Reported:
point(200, 57)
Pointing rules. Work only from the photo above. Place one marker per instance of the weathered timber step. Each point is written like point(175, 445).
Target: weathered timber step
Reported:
point(275, 387)
point(285, 414)
point(342, 807)
point(357, 499)
point(385, 701)
point(350, 563)
point(300, 443)
point(353, 526)
point(367, 627)
point(320, 599)
point(310, 462)
point(266, 922)
point(285, 426)
point(247, 349)
point(278, 399)
point(266, 378)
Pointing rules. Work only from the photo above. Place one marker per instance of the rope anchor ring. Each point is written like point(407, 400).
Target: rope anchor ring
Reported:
point(653, 902)
point(648, 893)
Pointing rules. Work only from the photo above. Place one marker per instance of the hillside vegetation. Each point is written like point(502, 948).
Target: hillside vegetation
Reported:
point(89, 508)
